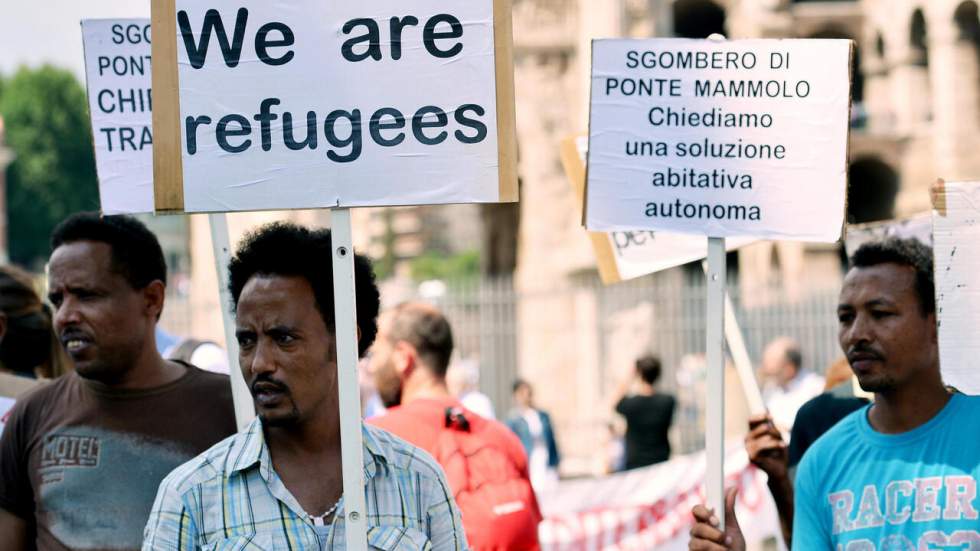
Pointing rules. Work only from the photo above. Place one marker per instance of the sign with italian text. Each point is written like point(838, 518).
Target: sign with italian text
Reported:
point(627, 254)
point(301, 104)
point(719, 138)
point(117, 74)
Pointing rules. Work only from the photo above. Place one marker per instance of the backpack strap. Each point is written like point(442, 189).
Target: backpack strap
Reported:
point(455, 419)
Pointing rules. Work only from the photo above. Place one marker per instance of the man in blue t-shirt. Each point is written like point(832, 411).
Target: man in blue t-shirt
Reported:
point(900, 474)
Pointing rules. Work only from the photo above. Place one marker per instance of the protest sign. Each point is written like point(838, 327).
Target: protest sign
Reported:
point(650, 508)
point(117, 74)
point(117, 62)
point(304, 104)
point(956, 253)
point(719, 138)
point(622, 255)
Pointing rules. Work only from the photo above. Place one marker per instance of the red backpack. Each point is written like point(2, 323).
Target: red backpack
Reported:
point(495, 497)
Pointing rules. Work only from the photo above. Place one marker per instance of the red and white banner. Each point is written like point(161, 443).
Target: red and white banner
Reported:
point(650, 508)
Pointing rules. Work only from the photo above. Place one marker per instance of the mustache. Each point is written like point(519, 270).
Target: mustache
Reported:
point(266, 382)
point(863, 351)
point(72, 333)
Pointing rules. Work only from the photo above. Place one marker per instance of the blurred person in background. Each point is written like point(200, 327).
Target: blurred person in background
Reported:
point(204, 354)
point(82, 456)
point(787, 385)
point(842, 395)
point(371, 405)
point(614, 456)
point(28, 344)
point(484, 461)
point(29, 348)
point(648, 414)
point(463, 380)
point(533, 426)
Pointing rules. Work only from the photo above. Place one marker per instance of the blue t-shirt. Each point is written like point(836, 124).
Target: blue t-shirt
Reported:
point(861, 490)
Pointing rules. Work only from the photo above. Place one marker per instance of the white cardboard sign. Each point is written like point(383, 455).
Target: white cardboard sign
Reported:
point(312, 103)
point(719, 138)
point(956, 235)
point(117, 74)
point(918, 226)
point(628, 254)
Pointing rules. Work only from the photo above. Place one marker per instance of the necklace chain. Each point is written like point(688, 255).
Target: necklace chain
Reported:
point(318, 520)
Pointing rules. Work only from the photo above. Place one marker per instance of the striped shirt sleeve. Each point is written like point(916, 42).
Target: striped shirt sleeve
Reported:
point(445, 523)
point(171, 525)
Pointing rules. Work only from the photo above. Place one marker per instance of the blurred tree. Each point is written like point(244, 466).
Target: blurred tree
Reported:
point(53, 175)
point(434, 265)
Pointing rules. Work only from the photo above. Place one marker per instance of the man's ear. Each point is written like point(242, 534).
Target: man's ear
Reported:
point(154, 295)
point(405, 359)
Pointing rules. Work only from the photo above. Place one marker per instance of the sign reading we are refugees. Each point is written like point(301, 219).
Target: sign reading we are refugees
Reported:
point(719, 138)
point(117, 74)
point(329, 103)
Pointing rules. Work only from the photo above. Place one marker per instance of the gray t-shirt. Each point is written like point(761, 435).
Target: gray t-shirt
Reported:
point(81, 462)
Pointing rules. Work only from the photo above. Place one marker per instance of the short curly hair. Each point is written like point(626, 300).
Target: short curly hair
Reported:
point(286, 249)
point(904, 252)
point(136, 252)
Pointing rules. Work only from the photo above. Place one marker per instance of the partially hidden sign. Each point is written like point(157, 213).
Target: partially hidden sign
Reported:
point(627, 254)
point(281, 104)
point(719, 138)
point(956, 235)
point(117, 74)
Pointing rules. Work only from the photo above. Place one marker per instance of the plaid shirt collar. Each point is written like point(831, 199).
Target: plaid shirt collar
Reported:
point(254, 452)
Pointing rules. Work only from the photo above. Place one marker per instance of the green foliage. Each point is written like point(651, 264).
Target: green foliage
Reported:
point(433, 265)
point(46, 120)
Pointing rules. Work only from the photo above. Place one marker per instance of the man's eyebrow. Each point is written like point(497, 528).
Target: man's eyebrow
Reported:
point(867, 304)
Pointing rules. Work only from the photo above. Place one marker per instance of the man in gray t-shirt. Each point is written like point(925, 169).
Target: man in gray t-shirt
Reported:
point(81, 458)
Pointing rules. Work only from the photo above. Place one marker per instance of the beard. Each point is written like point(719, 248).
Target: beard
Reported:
point(877, 383)
point(389, 388)
point(391, 396)
point(276, 419)
point(388, 384)
point(285, 413)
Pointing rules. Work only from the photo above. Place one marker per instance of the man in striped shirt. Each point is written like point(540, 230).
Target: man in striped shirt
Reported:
point(278, 484)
